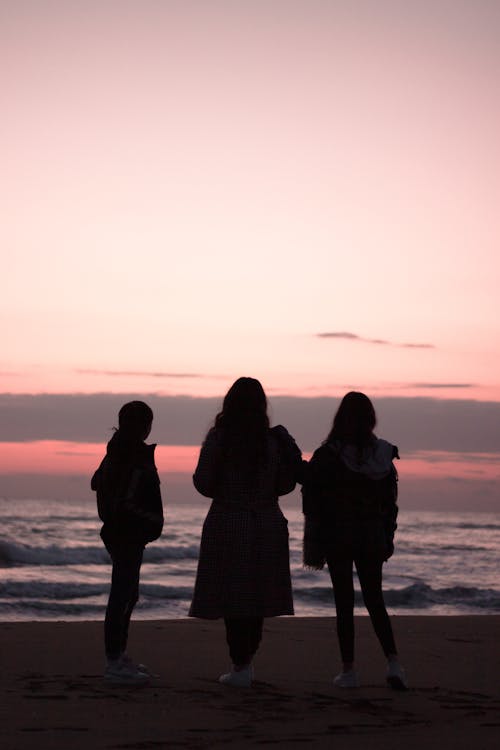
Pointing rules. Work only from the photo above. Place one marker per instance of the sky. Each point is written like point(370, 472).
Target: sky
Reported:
point(301, 191)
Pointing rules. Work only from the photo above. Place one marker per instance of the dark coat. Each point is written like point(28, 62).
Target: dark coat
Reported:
point(128, 494)
point(350, 503)
point(243, 568)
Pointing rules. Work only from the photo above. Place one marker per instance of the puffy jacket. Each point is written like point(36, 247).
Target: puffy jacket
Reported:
point(128, 493)
point(349, 500)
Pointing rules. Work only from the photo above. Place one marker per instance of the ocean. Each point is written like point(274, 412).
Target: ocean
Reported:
point(53, 565)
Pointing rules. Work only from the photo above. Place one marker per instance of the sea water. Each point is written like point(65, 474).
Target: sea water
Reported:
point(53, 565)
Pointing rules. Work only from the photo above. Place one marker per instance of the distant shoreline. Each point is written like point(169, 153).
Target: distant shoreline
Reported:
point(155, 621)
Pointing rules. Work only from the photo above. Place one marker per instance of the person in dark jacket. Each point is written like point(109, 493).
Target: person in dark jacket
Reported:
point(129, 504)
point(243, 571)
point(349, 503)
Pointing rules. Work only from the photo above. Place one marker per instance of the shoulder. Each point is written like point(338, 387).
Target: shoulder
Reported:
point(326, 453)
point(281, 435)
point(285, 441)
point(280, 432)
point(146, 454)
point(322, 464)
point(212, 440)
point(386, 449)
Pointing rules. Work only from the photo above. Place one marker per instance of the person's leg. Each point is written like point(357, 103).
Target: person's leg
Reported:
point(234, 640)
point(370, 579)
point(123, 597)
point(135, 570)
point(243, 636)
point(255, 635)
point(341, 575)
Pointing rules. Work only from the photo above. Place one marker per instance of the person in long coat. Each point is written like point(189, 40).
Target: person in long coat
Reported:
point(349, 502)
point(243, 571)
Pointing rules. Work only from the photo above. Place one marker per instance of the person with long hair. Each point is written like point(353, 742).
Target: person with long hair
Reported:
point(243, 571)
point(349, 503)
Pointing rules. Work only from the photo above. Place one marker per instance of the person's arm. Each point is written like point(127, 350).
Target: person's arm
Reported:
point(110, 482)
point(97, 486)
point(207, 470)
point(289, 462)
point(316, 482)
point(390, 509)
point(143, 498)
point(314, 490)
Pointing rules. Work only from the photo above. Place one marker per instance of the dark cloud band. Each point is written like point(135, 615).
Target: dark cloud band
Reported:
point(414, 423)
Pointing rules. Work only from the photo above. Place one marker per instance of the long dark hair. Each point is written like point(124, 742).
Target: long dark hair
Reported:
point(243, 422)
point(354, 421)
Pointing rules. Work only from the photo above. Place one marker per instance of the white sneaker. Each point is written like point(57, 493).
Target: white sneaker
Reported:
point(396, 676)
point(348, 679)
point(125, 659)
point(123, 672)
point(238, 678)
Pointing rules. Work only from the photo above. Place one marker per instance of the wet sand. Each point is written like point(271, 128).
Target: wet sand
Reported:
point(53, 696)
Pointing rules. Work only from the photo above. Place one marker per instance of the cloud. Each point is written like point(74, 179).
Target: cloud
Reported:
point(337, 335)
point(139, 373)
point(415, 346)
point(414, 423)
point(440, 385)
point(354, 337)
point(179, 420)
point(437, 457)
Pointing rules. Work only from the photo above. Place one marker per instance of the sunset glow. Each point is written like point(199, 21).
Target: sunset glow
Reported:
point(61, 457)
point(304, 192)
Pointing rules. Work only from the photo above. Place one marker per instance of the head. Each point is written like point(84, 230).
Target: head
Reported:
point(134, 420)
point(244, 408)
point(355, 420)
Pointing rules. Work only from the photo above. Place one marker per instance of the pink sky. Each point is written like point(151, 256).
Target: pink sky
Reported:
point(192, 191)
point(55, 457)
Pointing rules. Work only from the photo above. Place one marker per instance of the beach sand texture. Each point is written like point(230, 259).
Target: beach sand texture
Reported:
point(53, 696)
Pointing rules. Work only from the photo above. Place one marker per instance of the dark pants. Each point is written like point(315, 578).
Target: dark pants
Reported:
point(370, 579)
point(123, 597)
point(243, 635)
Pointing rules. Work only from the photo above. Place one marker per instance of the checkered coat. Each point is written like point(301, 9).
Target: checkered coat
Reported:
point(243, 568)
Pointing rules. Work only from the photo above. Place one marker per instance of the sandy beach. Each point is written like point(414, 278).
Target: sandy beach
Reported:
point(53, 695)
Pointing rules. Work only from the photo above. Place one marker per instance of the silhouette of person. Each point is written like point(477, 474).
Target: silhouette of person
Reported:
point(349, 502)
point(129, 504)
point(243, 571)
